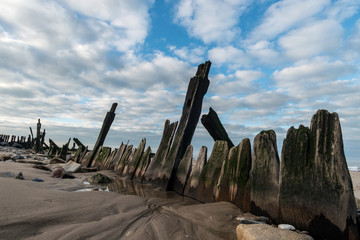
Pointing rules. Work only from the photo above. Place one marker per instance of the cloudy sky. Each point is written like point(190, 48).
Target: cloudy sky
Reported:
point(274, 63)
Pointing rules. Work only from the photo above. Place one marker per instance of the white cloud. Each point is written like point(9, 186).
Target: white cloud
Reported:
point(286, 14)
point(210, 21)
point(228, 55)
point(242, 81)
point(193, 55)
point(321, 37)
point(170, 72)
point(264, 52)
point(312, 78)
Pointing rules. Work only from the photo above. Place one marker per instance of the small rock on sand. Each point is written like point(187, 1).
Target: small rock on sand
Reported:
point(264, 231)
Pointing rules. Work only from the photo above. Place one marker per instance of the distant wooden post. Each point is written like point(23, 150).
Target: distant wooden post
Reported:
point(38, 141)
point(42, 139)
point(109, 118)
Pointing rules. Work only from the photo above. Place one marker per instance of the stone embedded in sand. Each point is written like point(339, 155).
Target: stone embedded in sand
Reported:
point(61, 173)
point(72, 166)
point(143, 165)
point(197, 89)
point(316, 192)
point(209, 176)
point(213, 125)
point(154, 172)
point(20, 176)
point(264, 231)
point(100, 179)
point(264, 175)
point(235, 175)
point(193, 180)
point(183, 171)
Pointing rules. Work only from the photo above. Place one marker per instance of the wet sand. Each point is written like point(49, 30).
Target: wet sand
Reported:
point(54, 210)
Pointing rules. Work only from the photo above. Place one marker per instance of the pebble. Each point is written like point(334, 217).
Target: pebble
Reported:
point(38, 180)
point(20, 176)
point(287, 227)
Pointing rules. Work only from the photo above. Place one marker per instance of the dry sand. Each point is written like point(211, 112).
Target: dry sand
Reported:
point(53, 210)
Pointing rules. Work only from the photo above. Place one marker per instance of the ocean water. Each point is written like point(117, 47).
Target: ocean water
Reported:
point(354, 166)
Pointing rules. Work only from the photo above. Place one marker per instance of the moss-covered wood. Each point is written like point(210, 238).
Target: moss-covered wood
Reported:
point(264, 175)
point(235, 175)
point(316, 190)
point(154, 173)
point(211, 172)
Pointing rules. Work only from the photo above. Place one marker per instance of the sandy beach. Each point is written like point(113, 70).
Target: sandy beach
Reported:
point(53, 209)
point(64, 209)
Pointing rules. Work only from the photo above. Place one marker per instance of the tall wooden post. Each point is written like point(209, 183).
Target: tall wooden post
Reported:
point(109, 118)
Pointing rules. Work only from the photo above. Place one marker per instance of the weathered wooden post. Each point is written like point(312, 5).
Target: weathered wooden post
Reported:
point(38, 146)
point(197, 89)
point(214, 126)
point(109, 118)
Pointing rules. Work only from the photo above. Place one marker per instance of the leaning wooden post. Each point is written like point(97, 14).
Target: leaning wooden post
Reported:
point(197, 89)
point(214, 126)
point(109, 118)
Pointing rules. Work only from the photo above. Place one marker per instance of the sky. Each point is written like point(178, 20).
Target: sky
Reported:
point(274, 64)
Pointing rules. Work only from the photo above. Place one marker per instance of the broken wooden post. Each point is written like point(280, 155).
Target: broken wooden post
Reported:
point(64, 149)
point(197, 89)
point(109, 118)
point(214, 126)
point(77, 141)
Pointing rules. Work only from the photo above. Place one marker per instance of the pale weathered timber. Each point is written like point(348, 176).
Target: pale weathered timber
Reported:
point(109, 118)
point(116, 160)
point(213, 125)
point(143, 165)
point(123, 160)
point(193, 181)
point(197, 89)
point(134, 161)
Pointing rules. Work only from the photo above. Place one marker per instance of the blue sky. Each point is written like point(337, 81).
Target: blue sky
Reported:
point(274, 64)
